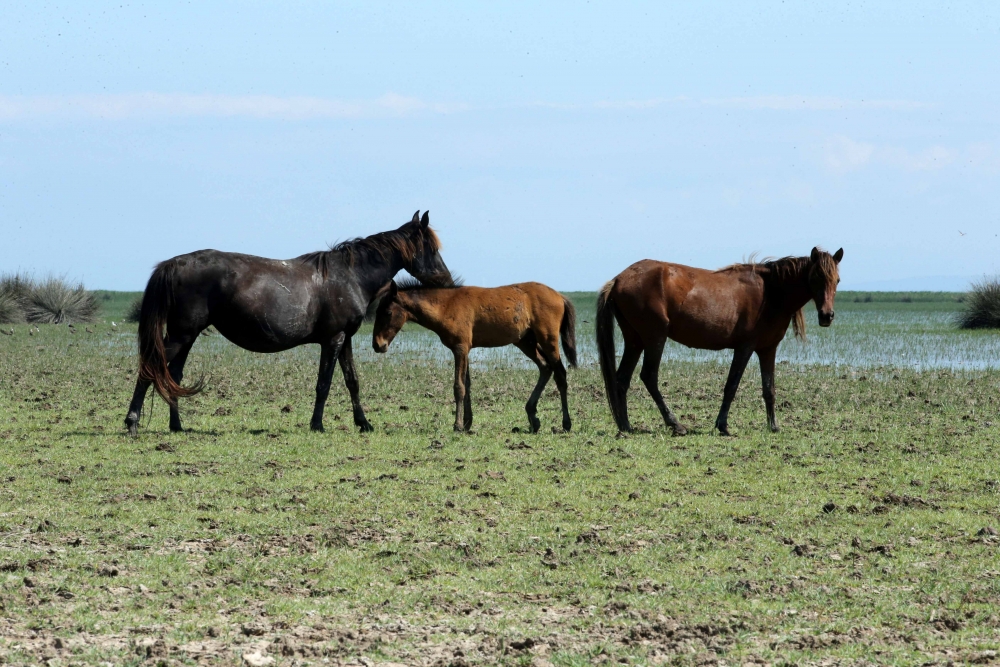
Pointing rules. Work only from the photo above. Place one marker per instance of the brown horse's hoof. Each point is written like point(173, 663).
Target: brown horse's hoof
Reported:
point(680, 430)
point(459, 428)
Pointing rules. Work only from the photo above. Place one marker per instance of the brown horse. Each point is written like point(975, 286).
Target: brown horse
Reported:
point(529, 315)
point(743, 307)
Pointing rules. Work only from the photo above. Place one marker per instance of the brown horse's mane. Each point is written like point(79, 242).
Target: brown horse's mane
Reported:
point(779, 272)
point(381, 245)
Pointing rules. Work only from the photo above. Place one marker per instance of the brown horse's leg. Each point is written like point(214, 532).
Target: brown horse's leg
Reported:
point(650, 376)
point(529, 346)
point(741, 356)
point(176, 368)
point(351, 382)
point(766, 359)
point(467, 420)
point(630, 358)
point(327, 362)
point(461, 370)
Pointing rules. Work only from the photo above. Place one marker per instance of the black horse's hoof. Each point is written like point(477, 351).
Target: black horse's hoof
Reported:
point(535, 425)
point(316, 427)
point(567, 425)
point(365, 427)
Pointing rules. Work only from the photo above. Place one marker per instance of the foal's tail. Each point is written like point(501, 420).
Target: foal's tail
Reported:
point(156, 304)
point(606, 352)
point(567, 331)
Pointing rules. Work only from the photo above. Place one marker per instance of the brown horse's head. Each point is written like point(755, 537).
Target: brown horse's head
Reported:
point(389, 319)
point(423, 254)
point(823, 276)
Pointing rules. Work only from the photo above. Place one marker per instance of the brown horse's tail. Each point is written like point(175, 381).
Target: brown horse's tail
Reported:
point(156, 303)
point(606, 352)
point(567, 331)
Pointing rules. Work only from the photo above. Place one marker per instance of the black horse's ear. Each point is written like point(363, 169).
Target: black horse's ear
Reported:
point(814, 255)
point(426, 220)
point(416, 216)
point(839, 255)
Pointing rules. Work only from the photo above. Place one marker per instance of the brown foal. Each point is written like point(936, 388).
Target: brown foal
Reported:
point(529, 315)
point(743, 307)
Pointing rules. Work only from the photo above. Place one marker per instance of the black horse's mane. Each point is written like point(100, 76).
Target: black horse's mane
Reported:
point(414, 285)
point(381, 245)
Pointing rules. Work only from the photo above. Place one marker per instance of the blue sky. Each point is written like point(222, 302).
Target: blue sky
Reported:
point(556, 142)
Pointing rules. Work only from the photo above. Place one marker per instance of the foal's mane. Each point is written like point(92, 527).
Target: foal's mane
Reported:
point(407, 241)
point(414, 285)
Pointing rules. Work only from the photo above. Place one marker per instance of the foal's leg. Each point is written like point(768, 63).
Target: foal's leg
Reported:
point(650, 375)
point(327, 361)
point(461, 372)
point(529, 346)
point(741, 356)
point(550, 350)
point(467, 421)
point(351, 381)
point(176, 368)
point(766, 359)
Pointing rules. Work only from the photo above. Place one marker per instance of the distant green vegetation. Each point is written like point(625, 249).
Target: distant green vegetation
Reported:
point(115, 305)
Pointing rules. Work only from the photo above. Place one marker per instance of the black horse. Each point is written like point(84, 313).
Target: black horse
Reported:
point(270, 305)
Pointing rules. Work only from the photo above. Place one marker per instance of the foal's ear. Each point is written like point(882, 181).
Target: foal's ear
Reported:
point(839, 255)
point(426, 220)
point(814, 255)
point(416, 216)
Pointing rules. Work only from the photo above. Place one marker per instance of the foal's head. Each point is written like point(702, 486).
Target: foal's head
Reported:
point(823, 276)
point(423, 261)
point(389, 319)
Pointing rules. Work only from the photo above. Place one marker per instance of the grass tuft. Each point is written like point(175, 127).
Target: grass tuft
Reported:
point(54, 301)
point(982, 306)
point(13, 290)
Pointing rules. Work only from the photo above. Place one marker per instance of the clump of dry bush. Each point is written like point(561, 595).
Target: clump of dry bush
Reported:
point(50, 301)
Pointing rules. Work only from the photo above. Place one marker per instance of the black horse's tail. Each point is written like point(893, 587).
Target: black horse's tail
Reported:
point(157, 301)
point(567, 331)
point(606, 352)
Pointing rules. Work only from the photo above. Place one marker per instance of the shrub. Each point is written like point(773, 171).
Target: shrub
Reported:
point(13, 290)
point(982, 305)
point(134, 309)
point(53, 301)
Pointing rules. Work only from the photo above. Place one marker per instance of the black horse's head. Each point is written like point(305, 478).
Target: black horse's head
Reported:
point(823, 276)
point(422, 258)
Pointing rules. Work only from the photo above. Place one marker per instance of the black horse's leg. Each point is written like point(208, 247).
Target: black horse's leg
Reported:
point(135, 407)
point(351, 381)
point(650, 376)
point(175, 349)
point(529, 346)
point(630, 357)
point(176, 368)
point(461, 369)
point(327, 361)
point(766, 359)
point(467, 421)
point(741, 356)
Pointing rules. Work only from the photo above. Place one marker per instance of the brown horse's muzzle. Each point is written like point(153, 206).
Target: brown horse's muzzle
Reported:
point(380, 346)
point(826, 318)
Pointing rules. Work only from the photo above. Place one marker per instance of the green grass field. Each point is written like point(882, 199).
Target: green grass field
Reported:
point(863, 533)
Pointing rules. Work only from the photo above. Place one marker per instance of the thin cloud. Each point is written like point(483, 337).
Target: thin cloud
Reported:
point(146, 105)
point(808, 103)
point(843, 154)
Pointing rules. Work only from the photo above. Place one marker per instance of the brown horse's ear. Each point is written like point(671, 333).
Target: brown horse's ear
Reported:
point(426, 220)
point(416, 216)
point(393, 289)
point(839, 255)
point(814, 255)
point(386, 290)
